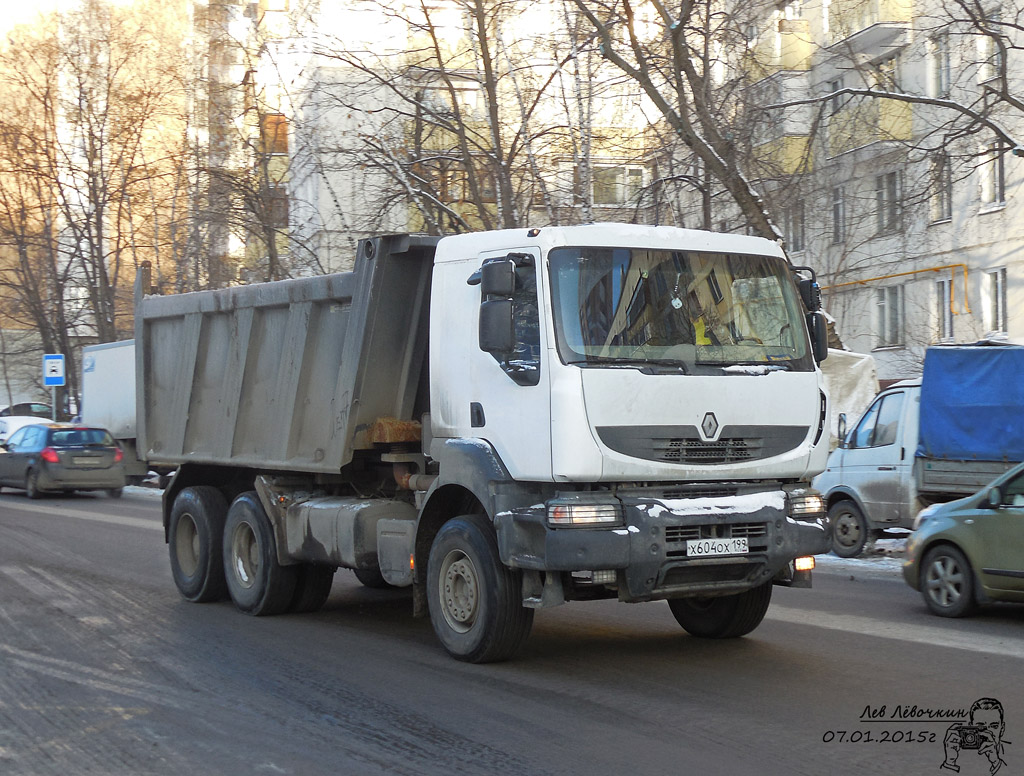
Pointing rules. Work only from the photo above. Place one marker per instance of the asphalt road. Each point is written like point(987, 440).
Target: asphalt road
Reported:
point(105, 670)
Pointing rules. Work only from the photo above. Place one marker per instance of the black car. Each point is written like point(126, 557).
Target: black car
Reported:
point(60, 457)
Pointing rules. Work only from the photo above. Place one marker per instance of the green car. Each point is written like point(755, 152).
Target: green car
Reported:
point(970, 552)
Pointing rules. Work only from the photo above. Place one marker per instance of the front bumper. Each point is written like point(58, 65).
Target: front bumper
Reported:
point(649, 550)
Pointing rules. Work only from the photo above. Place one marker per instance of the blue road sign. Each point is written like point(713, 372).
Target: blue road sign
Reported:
point(53, 369)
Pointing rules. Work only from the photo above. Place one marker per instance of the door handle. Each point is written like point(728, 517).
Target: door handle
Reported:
point(886, 468)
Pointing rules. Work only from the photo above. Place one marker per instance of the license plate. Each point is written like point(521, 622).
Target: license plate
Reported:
point(79, 461)
point(698, 548)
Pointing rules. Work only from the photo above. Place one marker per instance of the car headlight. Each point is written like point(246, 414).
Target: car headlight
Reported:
point(924, 515)
point(563, 514)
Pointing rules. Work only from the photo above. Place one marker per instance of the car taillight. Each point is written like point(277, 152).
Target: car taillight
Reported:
point(49, 455)
point(118, 455)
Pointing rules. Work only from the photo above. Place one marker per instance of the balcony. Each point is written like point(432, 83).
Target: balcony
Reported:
point(787, 47)
point(868, 121)
point(785, 156)
point(869, 25)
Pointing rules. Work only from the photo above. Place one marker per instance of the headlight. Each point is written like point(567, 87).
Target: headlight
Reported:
point(806, 505)
point(584, 514)
point(924, 515)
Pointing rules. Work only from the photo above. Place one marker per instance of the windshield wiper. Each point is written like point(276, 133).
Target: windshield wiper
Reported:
point(646, 363)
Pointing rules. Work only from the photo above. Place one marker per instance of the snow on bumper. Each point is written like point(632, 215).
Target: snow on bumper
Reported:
point(650, 549)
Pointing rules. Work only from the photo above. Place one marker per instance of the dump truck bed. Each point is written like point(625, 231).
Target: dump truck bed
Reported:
point(289, 375)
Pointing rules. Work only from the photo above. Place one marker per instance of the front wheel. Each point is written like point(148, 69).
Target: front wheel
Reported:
point(722, 617)
point(947, 582)
point(475, 603)
point(257, 583)
point(850, 533)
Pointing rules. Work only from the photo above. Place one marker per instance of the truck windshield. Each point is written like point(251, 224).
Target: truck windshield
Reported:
point(683, 309)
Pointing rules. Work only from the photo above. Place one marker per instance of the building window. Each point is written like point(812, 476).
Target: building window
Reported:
point(886, 75)
point(944, 308)
point(274, 133)
point(277, 207)
point(793, 226)
point(940, 65)
point(837, 101)
point(942, 188)
point(617, 185)
point(888, 201)
point(995, 300)
point(991, 53)
point(993, 175)
point(890, 316)
point(838, 215)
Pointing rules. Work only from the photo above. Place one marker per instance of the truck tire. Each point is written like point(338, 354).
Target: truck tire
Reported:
point(947, 582)
point(257, 583)
point(195, 534)
point(850, 532)
point(723, 617)
point(475, 603)
point(371, 578)
point(312, 588)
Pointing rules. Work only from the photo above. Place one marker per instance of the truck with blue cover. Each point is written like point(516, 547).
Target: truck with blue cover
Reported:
point(926, 441)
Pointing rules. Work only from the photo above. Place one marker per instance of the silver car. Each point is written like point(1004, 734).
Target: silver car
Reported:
point(60, 457)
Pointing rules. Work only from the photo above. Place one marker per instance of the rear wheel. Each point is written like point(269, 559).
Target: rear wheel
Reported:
point(850, 533)
point(196, 532)
point(257, 583)
point(115, 492)
point(312, 587)
point(475, 602)
point(32, 484)
point(722, 617)
point(947, 582)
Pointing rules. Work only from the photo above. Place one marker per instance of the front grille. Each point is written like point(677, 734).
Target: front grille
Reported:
point(684, 445)
point(698, 451)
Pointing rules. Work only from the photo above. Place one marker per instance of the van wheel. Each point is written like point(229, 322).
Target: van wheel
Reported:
point(195, 535)
point(722, 617)
point(475, 601)
point(257, 583)
point(850, 533)
point(947, 582)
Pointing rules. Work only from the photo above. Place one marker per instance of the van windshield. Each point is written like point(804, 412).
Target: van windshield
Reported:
point(687, 309)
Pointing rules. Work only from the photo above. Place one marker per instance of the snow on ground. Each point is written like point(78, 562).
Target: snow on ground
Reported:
point(884, 558)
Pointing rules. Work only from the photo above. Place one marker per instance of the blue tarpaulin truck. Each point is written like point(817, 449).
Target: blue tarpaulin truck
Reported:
point(927, 441)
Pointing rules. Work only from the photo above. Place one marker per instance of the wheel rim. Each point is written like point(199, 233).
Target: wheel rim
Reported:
point(945, 582)
point(847, 530)
point(245, 555)
point(459, 588)
point(186, 545)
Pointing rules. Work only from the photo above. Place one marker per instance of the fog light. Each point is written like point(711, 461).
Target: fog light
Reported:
point(804, 564)
point(606, 577)
point(584, 514)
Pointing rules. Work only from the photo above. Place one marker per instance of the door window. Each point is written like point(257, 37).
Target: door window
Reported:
point(17, 438)
point(880, 425)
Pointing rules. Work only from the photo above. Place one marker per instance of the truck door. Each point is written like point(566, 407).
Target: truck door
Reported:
point(876, 464)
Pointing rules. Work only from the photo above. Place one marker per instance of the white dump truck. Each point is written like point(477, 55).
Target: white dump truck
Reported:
point(503, 421)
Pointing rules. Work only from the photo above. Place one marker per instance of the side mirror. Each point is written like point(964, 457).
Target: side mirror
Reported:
point(994, 500)
point(498, 278)
point(841, 430)
point(817, 327)
point(497, 335)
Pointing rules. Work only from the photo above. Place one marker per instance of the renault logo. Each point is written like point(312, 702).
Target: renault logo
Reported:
point(709, 426)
